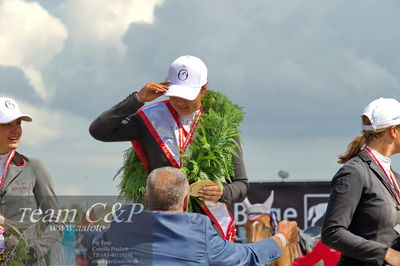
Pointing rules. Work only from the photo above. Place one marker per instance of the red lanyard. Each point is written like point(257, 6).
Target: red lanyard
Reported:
point(9, 159)
point(184, 136)
point(392, 180)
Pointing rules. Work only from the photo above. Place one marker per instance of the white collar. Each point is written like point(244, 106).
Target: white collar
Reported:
point(188, 119)
point(385, 161)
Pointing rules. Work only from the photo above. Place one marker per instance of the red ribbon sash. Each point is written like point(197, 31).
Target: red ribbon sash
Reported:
point(182, 137)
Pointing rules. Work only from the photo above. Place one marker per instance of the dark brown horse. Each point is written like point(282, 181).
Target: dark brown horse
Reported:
point(260, 225)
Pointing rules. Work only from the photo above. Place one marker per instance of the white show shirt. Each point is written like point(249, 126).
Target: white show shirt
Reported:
point(187, 120)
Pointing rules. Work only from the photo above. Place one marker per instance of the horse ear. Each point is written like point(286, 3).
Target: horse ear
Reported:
point(268, 202)
point(246, 203)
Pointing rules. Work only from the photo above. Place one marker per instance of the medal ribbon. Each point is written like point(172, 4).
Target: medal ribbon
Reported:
point(392, 180)
point(184, 137)
point(8, 162)
point(221, 218)
point(161, 117)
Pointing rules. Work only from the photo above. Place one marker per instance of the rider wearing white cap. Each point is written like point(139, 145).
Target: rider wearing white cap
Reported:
point(161, 131)
point(363, 215)
point(25, 184)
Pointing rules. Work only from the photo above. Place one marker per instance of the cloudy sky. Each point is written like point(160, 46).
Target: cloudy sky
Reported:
point(302, 70)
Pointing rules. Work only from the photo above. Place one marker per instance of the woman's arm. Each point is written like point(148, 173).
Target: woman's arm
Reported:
point(346, 194)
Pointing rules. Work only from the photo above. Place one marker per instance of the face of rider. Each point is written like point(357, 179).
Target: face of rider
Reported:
point(10, 136)
point(394, 132)
point(186, 107)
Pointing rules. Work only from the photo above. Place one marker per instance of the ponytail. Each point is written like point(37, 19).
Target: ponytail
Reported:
point(354, 147)
point(359, 142)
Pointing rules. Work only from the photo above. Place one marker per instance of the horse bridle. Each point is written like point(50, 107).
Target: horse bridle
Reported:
point(256, 223)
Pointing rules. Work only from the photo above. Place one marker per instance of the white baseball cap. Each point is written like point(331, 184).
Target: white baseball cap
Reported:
point(187, 74)
point(9, 111)
point(383, 113)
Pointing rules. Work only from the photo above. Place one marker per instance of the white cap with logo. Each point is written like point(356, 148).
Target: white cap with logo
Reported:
point(9, 111)
point(383, 113)
point(187, 74)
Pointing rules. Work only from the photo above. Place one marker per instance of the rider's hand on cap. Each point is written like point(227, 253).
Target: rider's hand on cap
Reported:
point(151, 91)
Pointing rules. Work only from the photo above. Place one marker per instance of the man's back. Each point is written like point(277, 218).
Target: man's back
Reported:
point(159, 238)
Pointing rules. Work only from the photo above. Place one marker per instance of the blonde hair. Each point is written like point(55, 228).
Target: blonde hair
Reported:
point(360, 141)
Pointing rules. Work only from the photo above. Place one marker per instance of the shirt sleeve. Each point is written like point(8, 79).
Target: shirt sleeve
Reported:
point(236, 191)
point(47, 201)
point(223, 252)
point(119, 123)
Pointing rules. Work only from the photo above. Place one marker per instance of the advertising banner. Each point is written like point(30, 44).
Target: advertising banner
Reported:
point(303, 202)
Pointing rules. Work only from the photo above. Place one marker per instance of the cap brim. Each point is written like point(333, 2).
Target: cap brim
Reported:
point(182, 92)
point(23, 117)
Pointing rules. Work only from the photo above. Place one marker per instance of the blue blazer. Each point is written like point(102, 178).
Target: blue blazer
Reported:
point(159, 238)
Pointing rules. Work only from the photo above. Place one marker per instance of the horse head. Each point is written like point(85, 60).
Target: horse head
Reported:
point(258, 225)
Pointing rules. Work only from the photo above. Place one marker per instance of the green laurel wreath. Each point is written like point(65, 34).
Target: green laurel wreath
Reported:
point(208, 157)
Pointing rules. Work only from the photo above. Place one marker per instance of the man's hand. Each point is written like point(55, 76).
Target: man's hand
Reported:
point(210, 193)
point(151, 91)
point(289, 230)
point(392, 257)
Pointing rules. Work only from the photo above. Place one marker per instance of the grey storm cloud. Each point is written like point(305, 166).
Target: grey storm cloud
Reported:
point(296, 65)
point(302, 70)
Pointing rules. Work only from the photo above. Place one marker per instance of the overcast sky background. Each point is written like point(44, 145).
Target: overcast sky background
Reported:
point(302, 70)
